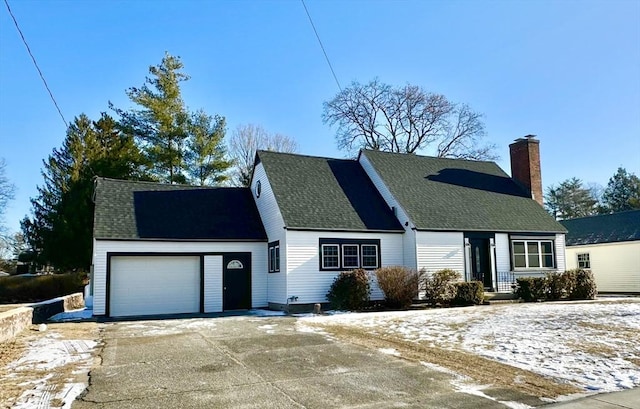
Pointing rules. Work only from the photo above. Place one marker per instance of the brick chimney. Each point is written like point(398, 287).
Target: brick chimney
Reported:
point(525, 165)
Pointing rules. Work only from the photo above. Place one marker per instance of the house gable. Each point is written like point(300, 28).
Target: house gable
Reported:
point(315, 193)
point(459, 195)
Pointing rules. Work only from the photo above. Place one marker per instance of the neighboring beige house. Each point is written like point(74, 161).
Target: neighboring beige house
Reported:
point(608, 245)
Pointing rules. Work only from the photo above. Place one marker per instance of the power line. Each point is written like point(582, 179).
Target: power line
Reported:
point(321, 46)
point(36, 64)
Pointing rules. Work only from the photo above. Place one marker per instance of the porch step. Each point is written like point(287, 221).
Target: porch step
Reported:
point(499, 298)
point(495, 302)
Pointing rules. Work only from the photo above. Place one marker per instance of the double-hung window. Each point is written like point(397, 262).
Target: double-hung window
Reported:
point(369, 256)
point(330, 256)
point(584, 261)
point(349, 254)
point(532, 253)
point(274, 257)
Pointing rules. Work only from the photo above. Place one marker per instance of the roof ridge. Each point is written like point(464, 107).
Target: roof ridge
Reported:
point(593, 216)
point(304, 155)
point(428, 156)
point(150, 182)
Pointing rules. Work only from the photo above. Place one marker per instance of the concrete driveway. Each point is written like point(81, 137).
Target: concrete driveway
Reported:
point(256, 362)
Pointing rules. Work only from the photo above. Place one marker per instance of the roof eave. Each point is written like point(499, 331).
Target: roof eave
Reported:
point(342, 230)
point(490, 230)
point(180, 239)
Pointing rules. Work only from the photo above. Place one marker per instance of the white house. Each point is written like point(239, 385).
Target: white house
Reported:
point(609, 246)
point(162, 249)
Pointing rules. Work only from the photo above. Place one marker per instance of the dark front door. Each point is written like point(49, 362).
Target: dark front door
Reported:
point(481, 261)
point(236, 281)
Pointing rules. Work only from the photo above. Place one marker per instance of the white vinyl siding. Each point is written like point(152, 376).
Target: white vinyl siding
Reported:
point(306, 281)
point(615, 266)
point(440, 250)
point(409, 253)
point(258, 252)
point(561, 262)
point(273, 223)
point(503, 258)
point(154, 285)
point(213, 284)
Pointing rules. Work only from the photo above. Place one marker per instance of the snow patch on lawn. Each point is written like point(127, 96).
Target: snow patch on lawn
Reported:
point(49, 354)
point(593, 345)
point(268, 328)
point(389, 351)
point(463, 384)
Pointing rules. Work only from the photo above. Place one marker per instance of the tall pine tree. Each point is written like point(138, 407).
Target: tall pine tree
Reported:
point(622, 192)
point(61, 226)
point(179, 146)
point(570, 199)
point(206, 154)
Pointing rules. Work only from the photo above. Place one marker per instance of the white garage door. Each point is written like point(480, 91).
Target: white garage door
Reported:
point(154, 285)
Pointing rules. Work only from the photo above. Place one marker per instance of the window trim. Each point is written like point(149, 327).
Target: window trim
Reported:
point(538, 241)
point(357, 255)
point(377, 249)
point(587, 261)
point(273, 257)
point(337, 256)
point(340, 244)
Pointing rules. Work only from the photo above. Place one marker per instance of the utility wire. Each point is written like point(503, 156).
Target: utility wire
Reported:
point(36, 64)
point(321, 46)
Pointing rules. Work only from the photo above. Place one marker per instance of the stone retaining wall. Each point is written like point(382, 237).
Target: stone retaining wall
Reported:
point(12, 322)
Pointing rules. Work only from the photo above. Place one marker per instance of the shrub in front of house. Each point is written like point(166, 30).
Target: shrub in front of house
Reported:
point(399, 285)
point(577, 284)
point(469, 293)
point(531, 289)
point(440, 287)
point(583, 286)
point(350, 291)
point(17, 289)
point(557, 286)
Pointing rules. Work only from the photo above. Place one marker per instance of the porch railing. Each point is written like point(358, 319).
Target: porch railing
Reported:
point(506, 281)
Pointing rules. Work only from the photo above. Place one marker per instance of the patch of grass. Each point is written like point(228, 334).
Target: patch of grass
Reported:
point(594, 348)
point(628, 334)
point(482, 370)
point(16, 289)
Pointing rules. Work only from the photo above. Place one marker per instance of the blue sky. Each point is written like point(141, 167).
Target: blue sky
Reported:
point(567, 71)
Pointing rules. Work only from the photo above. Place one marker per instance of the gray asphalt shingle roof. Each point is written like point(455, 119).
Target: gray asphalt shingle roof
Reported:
point(606, 228)
point(144, 210)
point(326, 194)
point(463, 195)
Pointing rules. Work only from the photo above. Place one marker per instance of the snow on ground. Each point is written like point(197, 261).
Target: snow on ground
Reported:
point(73, 315)
point(594, 345)
point(170, 327)
point(51, 356)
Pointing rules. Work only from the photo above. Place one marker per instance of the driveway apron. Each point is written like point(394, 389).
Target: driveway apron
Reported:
point(256, 362)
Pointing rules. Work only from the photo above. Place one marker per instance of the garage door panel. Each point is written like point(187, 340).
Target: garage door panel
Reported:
point(154, 285)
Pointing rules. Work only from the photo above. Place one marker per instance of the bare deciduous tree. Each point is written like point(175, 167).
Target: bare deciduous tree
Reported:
point(405, 119)
point(7, 190)
point(245, 141)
